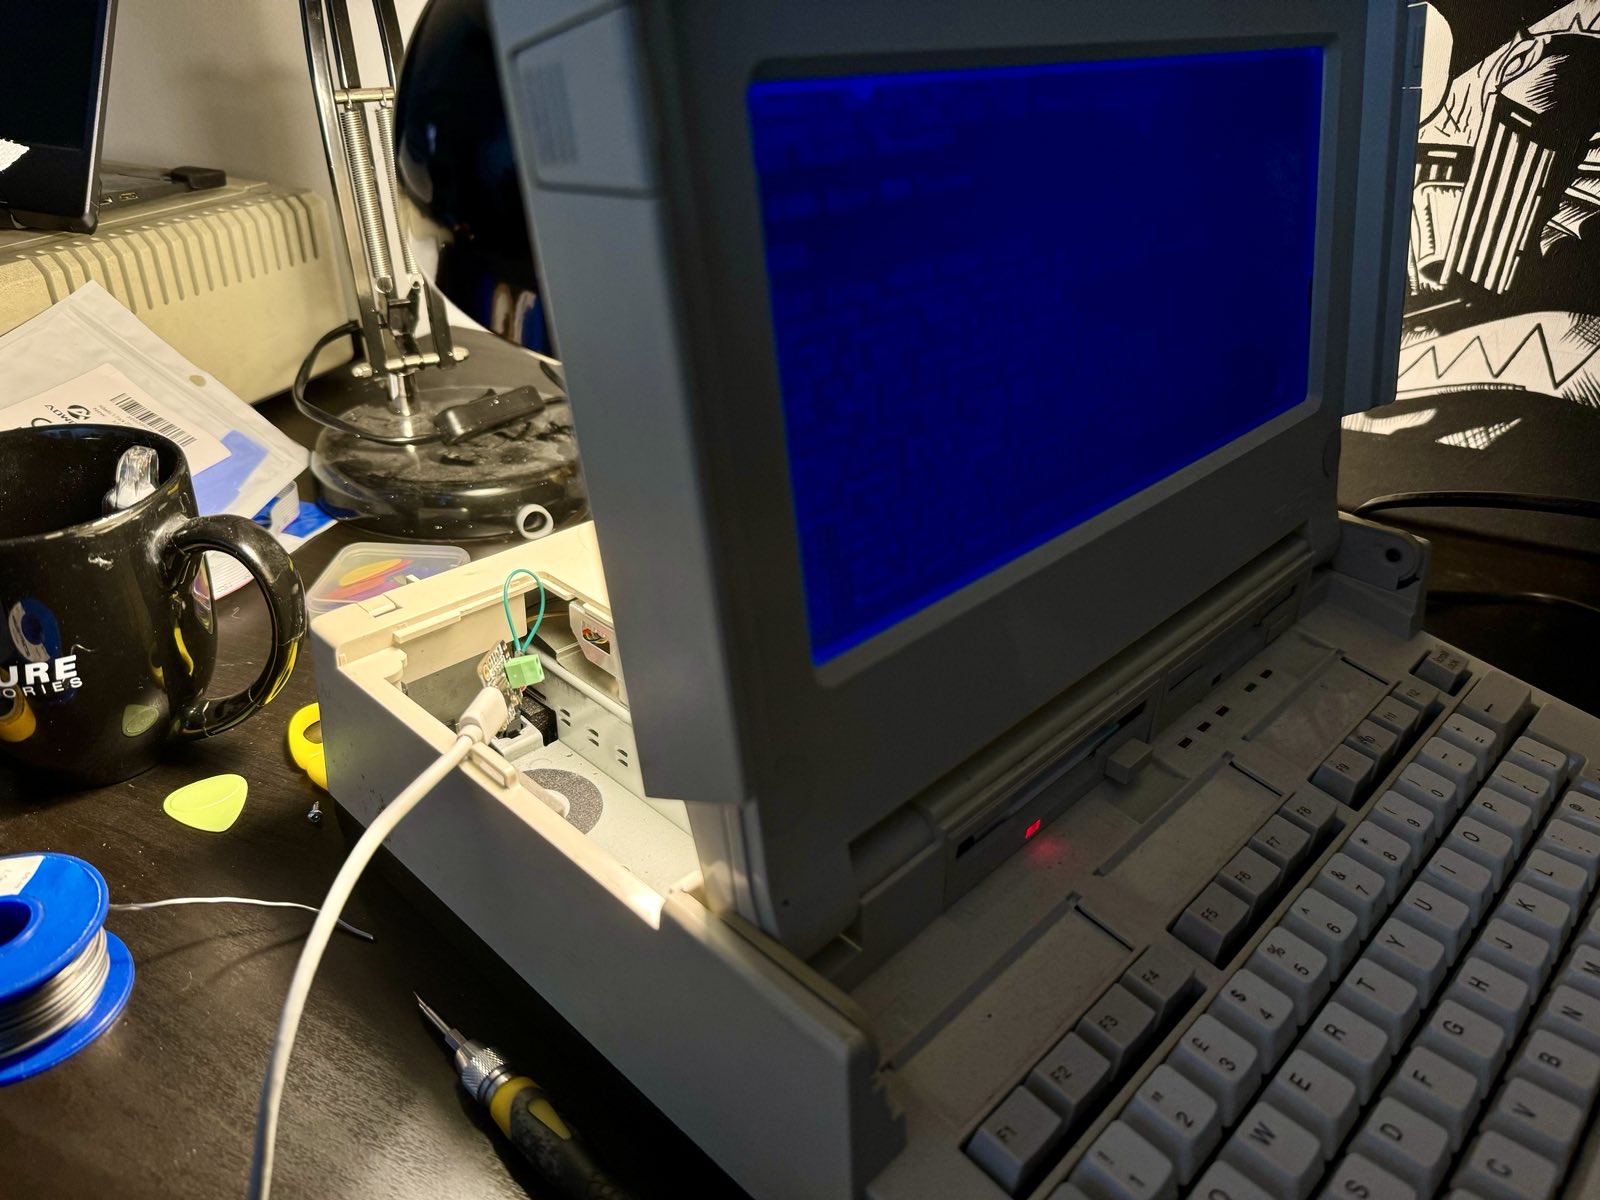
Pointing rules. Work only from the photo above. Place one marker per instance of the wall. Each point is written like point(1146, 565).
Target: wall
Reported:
point(219, 83)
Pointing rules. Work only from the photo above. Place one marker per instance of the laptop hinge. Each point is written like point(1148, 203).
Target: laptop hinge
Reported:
point(919, 860)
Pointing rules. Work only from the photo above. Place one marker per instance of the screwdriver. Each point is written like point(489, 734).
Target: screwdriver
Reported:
point(525, 1115)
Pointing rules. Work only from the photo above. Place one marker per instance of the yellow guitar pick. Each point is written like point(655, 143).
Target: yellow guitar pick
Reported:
point(212, 804)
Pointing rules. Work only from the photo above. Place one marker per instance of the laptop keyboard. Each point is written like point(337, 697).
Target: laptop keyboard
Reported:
point(1424, 1016)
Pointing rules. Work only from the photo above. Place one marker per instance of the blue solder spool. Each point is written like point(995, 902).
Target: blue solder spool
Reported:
point(63, 976)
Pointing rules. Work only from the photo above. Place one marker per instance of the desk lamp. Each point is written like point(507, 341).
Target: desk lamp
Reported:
point(422, 436)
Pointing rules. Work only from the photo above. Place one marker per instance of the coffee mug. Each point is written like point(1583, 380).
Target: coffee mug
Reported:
point(109, 636)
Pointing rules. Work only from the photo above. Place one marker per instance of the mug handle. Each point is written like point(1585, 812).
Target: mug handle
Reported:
point(280, 585)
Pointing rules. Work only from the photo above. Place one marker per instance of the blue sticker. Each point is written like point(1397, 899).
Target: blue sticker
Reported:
point(312, 518)
point(219, 485)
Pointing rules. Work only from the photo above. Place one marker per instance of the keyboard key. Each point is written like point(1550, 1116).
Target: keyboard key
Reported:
point(1522, 785)
point(1359, 1178)
point(1251, 878)
point(1121, 1165)
point(1443, 668)
point(1500, 702)
point(1315, 1096)
point(1582, 970)
point(1442, 917)
point(1282, 843)
point(1538, 912)
point(1177, 1118)
point(1421, 696)
point(1474, 1043)
point(1471, 737)
point(1458, 876)
point(1578, 846)
point(1398, 717)
point(1015, 1139)
point(1556, 877)
point(1415, 957)
point(1161, 979)
point(1499, 811)
point(1492, 993)
point(1219, 1062)
point(1275, 1152)
point(1223, 1182)
point(1559, 1066)
point(1373, 846)
point(1544, 761)
point(1346, 775)
point(1118, 1025)
point(1325, 924)
point(1066, 1191)
point(1257, 1012)
point(1516, 951)
point(1295, 968)
point(1581, 809)
point(1434, 1086)
point(1589, 935)
point(1530, 1116)
point(1351, 1045)
point(1213, 924)
point(1482, 844)
point(1354, 887)
point(1373, 740)
point(1451, 761)
point(1311, 811)
point(1499, 1169)
point(1431, 790)
point(1564, 728)
point(1406, 819)
point(1406, 1144)
point(1573, 1015)
point(1070, 1079)
point(1381, 996)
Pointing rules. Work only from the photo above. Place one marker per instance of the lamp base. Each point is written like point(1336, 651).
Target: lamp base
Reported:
point(520, 480)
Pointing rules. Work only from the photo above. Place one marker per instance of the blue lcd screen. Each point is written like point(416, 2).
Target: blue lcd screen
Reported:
point(1005, 299)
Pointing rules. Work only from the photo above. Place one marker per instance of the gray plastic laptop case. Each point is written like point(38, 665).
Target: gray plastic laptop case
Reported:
point(630, 124)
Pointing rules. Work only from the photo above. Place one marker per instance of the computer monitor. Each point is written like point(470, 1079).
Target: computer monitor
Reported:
point(923, 360)
point(55, 61)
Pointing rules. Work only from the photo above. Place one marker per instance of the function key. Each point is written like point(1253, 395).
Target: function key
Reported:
point(1421, 696)
point(1346, 774)
point(1015, 1139)
point(1398, 717)
point(1213, 923)
point(1163, 980)
point(1444, 669)
point(1312, 812)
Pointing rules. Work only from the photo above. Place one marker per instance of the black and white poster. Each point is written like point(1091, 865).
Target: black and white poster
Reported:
point(1504, 271)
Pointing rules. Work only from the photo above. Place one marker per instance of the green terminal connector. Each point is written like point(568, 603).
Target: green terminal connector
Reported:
point(525, 670)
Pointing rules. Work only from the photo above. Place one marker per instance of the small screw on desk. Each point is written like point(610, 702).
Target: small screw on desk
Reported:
point(315, 815)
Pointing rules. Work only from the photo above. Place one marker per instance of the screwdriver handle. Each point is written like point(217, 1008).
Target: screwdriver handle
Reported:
point(525, 1115)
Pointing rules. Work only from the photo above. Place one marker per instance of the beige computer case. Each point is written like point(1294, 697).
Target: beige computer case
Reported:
point(240, 279)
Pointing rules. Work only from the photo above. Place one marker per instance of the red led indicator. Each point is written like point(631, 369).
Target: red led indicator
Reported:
point(1031, 830)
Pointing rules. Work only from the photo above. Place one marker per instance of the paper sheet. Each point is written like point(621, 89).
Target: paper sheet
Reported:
point(105, 396)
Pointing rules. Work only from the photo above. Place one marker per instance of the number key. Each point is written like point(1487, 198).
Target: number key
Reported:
point(1295, 968)
point(1179, 1119)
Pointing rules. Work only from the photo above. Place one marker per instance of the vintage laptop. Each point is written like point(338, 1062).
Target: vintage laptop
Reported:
point(975, 758)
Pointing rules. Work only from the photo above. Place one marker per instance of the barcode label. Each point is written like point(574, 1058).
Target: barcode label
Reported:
point(154, 420)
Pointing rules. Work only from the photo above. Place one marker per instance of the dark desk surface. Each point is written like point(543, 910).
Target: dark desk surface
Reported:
point(1530, 443)
point(163, 1105)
